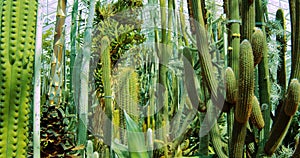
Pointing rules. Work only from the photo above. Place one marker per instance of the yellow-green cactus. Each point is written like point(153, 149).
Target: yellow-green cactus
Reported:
point(17, 45)
point(231, 86)
point(246, 83)
point(256, 115)
point(257, 42)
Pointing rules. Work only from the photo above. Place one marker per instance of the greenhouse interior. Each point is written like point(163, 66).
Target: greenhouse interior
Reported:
point(149, 78)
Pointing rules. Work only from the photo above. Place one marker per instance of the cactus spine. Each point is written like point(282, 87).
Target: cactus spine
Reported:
point(282, 124)
point(256, 115)
point(257, 42)
point(231, 86)
point(246, 83)
point(17, 29)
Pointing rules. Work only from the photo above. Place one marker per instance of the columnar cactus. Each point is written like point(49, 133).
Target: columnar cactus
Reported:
point(246, 83)
point(17, 44)
point(282, 124)
point(106, 67)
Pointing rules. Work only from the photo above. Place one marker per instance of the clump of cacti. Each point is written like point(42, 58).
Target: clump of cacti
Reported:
point(17, 45)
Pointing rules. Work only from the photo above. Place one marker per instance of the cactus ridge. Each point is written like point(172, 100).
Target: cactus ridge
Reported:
point(246, 83)
point(256, 115)
point(17, 44)
point(257, 42)
point(231, 86)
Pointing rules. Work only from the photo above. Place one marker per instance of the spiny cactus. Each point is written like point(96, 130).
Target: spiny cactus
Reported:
point(248, 18)
point(257, 43)
point(282, 124)
point(246, 83)
point(256, 115)
point(291, 104)
point(231, 86)
point(17, 29)
point(106, 66)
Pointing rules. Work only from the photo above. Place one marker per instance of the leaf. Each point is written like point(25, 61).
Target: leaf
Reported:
point(136, 141)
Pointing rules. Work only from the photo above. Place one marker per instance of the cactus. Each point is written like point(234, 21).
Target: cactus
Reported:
point(263, 77)
point(246, 83)
point(106, 67)
point(282, 42)
point(238, 139)
point(248, 18)
point(282, 124)
point(231, 86)
point(17, 28)
point(294, 15)
point(291, 104)
point(215, 135)
point(257, 43)
point(256, 115)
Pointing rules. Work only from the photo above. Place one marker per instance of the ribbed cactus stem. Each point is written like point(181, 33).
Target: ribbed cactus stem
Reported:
point(215, 135)
point(283, 122)
point(17, 44)
point(282, 45)
point(230, 86)
point(256, 115)
point(133, 106)
point(257, 42)
point(248, 18)
point(246, 83)
point(238, 139)
point(106, 68)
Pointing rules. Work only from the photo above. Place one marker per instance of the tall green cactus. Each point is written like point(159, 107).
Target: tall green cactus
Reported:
point(246, 83)
point(283, 122)
point(243, 106)
point(17, 29)
point(106, 66)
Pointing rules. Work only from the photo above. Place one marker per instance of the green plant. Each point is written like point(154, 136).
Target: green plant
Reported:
point(16, 69)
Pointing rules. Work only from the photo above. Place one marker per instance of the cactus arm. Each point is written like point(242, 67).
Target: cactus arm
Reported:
point(256, 115)
point(231, 86)
point(257, 42)
point(246, 83)
point(17, 29)
point(283, 122)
